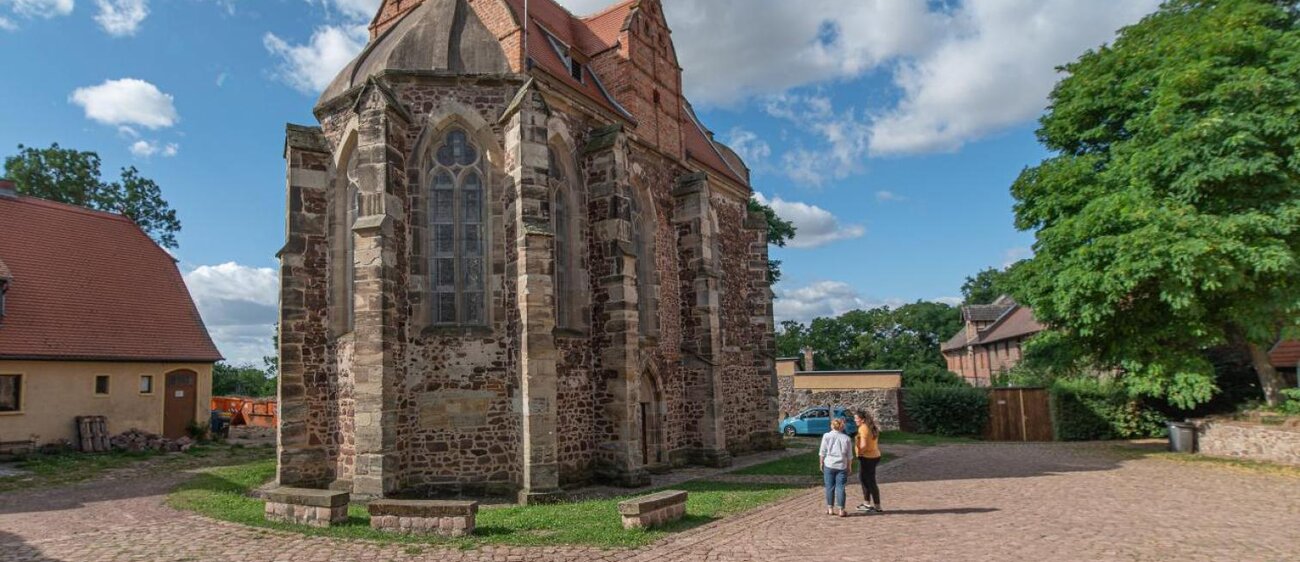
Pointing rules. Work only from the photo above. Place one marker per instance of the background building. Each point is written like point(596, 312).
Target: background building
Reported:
point(95, 320)
point(989, 343)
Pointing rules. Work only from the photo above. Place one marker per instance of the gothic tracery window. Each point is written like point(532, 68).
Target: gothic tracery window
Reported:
point(353, 194)
point(562, 221)
point(643, 238)
point(457, 216)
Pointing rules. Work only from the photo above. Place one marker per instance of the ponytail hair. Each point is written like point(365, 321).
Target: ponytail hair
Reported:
point(837, 424)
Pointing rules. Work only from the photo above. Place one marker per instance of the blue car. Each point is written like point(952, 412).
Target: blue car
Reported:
point(816, 421)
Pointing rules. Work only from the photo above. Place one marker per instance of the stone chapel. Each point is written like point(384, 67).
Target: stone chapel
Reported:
point(515, 261)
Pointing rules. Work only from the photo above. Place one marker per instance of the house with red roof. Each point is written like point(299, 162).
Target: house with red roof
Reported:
point(95, 320)
point(517, 260)
point(1285, 357)
point(990, 339)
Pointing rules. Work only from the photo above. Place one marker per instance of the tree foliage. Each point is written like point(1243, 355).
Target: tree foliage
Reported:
point(987, 285)
point(73, 176)
point(244, 380)
point(1168, 220)
point(907, 338)
point(778, 233)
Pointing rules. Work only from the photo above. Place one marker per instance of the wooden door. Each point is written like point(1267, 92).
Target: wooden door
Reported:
point(179, 403)
point(1019, 414)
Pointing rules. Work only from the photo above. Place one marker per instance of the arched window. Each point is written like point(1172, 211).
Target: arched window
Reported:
point(353, 194)
point(457, 215)
point(568, 309)
point(643, 240)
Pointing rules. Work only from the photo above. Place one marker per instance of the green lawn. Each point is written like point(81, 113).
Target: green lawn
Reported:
point(69, 468)
point(222, 494)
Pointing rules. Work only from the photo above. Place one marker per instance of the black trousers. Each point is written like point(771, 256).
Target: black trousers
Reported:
point(867, 477)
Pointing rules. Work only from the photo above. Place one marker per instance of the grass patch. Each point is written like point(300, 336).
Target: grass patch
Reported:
point(222, 494)
point(905, 438)
point(44, 471)
point(1240, 465)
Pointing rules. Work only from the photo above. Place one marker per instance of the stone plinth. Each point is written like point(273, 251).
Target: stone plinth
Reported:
point(653, 510)
point(303, 506)
point(445, 518)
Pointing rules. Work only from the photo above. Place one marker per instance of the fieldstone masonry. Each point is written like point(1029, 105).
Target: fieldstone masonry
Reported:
point(445, 518)
point(420, 342)
point(317, 508)
point(882, 403)
point(1249, 441)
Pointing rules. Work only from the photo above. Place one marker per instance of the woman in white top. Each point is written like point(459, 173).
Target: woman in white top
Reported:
point(834, 458)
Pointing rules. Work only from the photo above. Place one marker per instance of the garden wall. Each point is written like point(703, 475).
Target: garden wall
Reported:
point(881, 402)
point(1248, 440)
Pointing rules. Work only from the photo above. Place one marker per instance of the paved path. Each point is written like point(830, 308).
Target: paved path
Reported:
point(965, 502)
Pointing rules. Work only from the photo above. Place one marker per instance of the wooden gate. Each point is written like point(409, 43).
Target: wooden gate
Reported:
point(1019, 414)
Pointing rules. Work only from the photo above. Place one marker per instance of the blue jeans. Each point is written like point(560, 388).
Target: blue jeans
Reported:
point(834, 480)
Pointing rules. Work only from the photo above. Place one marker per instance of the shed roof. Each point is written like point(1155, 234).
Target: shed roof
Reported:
point(1285, 355)
point(89, 285)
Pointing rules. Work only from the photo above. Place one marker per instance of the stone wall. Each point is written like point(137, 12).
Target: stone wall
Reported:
point(882, 403)
point(1250, 441)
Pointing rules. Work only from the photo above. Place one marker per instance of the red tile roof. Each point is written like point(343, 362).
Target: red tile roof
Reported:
point(89, 285)
point(1285, 355)
point(1013, 321)
point(590, 36)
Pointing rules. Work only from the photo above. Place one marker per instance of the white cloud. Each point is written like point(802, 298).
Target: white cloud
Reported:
point(357, 10)
point(239, 306)
point(1013, 255)
point(128, 101)
point(885, 196)
point(749, 146)
point(311, 67)
point(994, 69)
point(842, 138)
point(146, 148)
point(821, 299)
point(7, 24)
point(121, 18)
point(221, 79)
point(39, 8)
point(814, 225)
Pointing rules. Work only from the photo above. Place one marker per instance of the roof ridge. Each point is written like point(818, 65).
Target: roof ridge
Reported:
point(59, 205)
point(607, 10)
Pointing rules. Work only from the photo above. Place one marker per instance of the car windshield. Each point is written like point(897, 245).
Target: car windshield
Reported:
point(816, 414)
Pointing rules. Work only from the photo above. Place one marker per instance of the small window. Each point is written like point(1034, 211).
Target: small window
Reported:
point(575, 69)
point(146, 384)
point(656, 96)
point(101, 385)
point(4, 288)
point(11, 393)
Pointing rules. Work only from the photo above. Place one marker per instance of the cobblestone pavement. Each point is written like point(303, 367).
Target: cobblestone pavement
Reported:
point(963, 502)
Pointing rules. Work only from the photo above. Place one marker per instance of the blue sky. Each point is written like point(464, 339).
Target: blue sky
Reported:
point(888, 130)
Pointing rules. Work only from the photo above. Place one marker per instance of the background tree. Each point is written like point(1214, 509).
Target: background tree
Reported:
point(72, 176)
point(778, 233)
point(906, 338)
point(1169, 219)
point(245, 380)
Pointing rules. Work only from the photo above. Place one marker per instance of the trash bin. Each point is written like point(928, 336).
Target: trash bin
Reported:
point(1182, 437)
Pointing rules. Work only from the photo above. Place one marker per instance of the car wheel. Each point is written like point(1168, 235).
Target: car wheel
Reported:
point(789, 431)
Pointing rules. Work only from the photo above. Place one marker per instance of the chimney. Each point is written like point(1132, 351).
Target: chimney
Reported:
point(8, 189)
point(808, 359)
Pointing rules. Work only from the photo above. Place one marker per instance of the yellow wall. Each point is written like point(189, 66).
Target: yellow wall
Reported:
point(56, 392)
point(848, 381)
point(786, 367)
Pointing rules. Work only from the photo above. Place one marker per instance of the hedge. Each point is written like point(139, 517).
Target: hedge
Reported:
point(947, 410)
point(1086, 409)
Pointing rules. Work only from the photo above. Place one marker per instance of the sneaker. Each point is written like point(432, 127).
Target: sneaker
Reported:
point(864, 507)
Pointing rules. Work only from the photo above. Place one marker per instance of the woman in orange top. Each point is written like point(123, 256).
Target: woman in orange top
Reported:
point(866, 447)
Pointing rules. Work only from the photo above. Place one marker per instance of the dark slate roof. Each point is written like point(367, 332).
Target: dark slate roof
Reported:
point(984, 312)
point(89, 285)
point(1009, 320)
point(444, 35)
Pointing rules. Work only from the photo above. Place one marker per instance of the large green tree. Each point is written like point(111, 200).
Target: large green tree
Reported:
point(880, 338)
point(1168, 220)
point(778, 233)
point(73, 176)
point(987, 285)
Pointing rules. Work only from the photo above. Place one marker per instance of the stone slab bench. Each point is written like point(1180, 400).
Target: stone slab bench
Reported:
point(439, 517)
point(305, 506)
point(653, 510)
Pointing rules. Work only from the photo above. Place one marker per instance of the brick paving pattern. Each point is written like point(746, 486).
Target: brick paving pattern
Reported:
point(965, 502)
